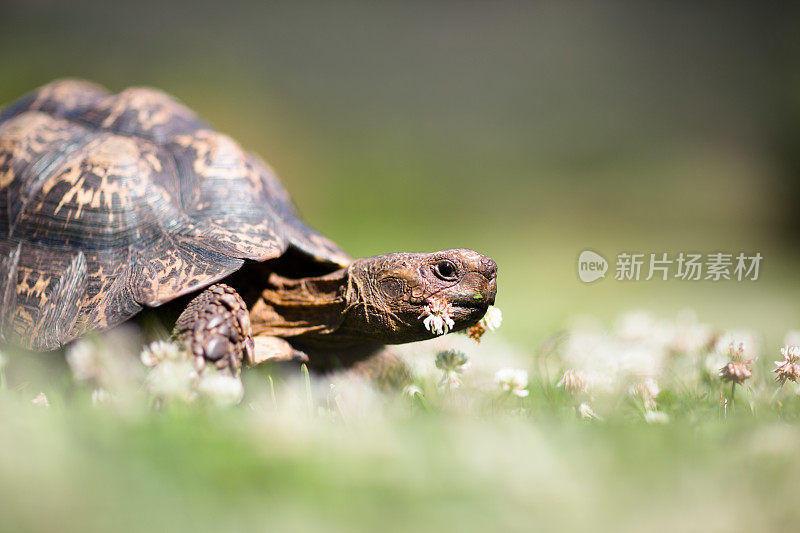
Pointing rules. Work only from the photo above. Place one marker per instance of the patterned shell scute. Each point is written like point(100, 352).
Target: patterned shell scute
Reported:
point(109, 203)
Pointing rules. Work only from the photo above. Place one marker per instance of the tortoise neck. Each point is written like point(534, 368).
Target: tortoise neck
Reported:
point(293, 307)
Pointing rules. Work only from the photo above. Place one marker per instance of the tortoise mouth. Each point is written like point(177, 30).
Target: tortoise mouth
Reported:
point(469, 312)
point(481, 304)
point(481, 298)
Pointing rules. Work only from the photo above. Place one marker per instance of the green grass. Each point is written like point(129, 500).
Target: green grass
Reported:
point(82, 470)
point(304, 456)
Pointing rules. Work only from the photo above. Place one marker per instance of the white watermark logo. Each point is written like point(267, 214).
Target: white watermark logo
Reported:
point(591, 266)
point(684, 266)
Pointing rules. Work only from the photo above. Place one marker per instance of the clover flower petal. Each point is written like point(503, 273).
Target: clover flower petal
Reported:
point(646, 391)
point(451, 363)
point(159, 351)
point(737, 370)
point(412, 390)
point(493, 318)
point(220, 388)
point(436, 317)
point(513, 380)
point(85, 360)
point(789, 368)
point(173, 380)
point(586, 412)
point(573, 381)
point(656, 417)
point(41, 400)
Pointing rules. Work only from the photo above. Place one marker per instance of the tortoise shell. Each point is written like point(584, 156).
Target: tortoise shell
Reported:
point(113, 202)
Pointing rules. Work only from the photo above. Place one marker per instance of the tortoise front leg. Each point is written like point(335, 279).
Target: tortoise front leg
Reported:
point(275, 350)
point(215, 329)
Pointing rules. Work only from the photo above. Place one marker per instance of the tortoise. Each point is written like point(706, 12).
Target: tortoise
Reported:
point(111, 204)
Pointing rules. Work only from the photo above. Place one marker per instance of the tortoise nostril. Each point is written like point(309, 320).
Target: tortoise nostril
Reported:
point(489, 268)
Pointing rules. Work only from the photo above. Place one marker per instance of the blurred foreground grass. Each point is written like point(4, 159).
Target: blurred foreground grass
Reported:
point(80, 470)
point(338, 454)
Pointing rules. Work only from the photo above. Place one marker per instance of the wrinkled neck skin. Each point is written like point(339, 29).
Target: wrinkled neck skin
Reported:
point(298, 307)
point(337, 317)
point(313, 314)
point(368, 317)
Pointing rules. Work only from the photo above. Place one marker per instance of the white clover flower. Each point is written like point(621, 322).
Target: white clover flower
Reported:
point(101, 396)
point(440, 325)
point(159, 351)
point(493, 318)
point(412, 390)
point(791, 352)
point(789, 368)
point(738, 369)
point(713, 362)
point(656, 417)
point(592, 354)
point(222, 389)
point(41, 400)
point(513, 380)
point(748, 340)
point(605, 363)
point(587, 413)
point(85, 360)
point(436, 317)
point(646, 390)
point(690, 336)
point(635, 326)
point(573, 381)
point(792, 338)
point(107, 361)
point(451, 363)
point(173, 380)
point(173, 376)
point(640, 359)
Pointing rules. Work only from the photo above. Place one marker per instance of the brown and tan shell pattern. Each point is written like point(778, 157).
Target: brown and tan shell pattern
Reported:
point(112, 202)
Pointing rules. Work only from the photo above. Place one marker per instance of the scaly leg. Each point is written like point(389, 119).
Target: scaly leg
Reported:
point(215, 329)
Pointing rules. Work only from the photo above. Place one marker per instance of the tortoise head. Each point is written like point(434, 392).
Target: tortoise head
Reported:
point(378, 300)
point(389, 296)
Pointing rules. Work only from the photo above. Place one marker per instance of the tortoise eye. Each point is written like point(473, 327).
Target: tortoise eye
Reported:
point(446, 270)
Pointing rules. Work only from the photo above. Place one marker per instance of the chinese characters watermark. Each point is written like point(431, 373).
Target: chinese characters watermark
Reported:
point(684, 266)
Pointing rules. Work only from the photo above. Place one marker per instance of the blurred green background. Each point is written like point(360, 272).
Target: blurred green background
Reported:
point(528, 131)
